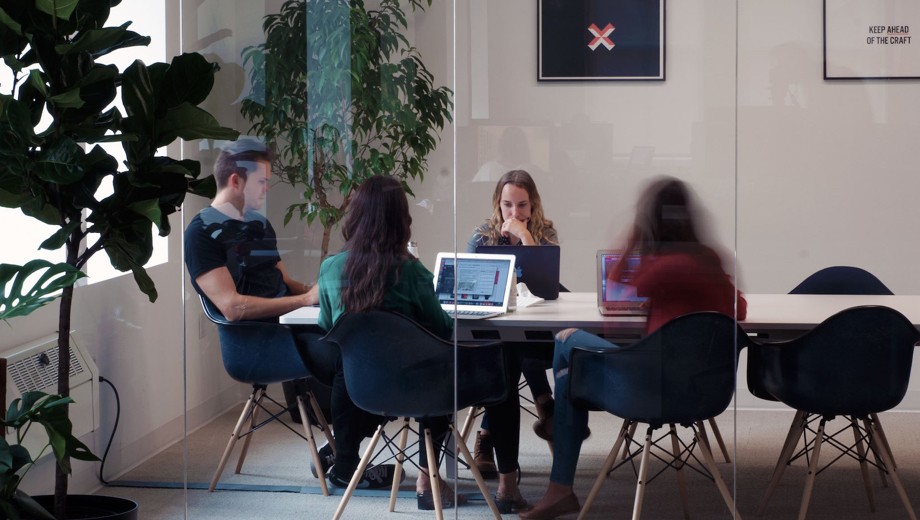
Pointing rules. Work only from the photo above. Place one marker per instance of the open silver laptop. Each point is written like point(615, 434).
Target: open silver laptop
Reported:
point(618, 298)
point(472, 285)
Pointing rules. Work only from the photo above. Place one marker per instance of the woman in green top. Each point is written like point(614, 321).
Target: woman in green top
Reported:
point(375, 271)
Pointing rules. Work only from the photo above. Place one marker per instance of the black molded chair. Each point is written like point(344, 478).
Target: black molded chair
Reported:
point(396, 368)
point(841, 279)
point(681, 374)
point(830, 280)
point(855, 364)
point(261, 353)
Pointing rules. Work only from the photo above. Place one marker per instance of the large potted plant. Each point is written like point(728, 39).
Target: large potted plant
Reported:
point(52, 121)
point(341, 95)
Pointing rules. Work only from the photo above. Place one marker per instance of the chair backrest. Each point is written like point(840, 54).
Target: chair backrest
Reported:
point(681, 373)
point(396, 368)
point(855, 362)
point(256, 352)
point(841, 279)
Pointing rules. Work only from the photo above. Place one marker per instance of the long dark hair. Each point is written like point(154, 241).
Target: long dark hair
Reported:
point(376, 231)
point(664, 221)
point(665, 216)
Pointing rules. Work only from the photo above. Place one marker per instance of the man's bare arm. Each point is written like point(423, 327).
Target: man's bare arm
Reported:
point(218, 286)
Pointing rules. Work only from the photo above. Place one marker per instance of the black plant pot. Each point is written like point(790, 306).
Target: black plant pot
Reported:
point(93, 507)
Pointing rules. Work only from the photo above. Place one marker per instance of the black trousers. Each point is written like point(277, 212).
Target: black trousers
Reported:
point(350, 424)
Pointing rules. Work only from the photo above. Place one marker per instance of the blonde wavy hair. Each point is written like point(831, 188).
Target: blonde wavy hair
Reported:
point(538, 223)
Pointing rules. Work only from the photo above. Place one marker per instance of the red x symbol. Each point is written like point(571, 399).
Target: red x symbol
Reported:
point(601, 36)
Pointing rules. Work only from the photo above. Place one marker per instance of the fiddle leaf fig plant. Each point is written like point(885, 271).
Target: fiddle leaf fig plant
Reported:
point(341, 95)
point(55, 116)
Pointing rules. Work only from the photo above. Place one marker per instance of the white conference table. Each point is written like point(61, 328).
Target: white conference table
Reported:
point(769, 315)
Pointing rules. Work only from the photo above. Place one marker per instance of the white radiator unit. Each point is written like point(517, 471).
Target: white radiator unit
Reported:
point(34, 367)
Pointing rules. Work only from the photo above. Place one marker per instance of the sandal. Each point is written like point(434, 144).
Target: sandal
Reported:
point(426, 500)
point(507, 504)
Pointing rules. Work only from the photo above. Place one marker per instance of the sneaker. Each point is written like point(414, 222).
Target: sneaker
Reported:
point(326, 458)
point(376, 477)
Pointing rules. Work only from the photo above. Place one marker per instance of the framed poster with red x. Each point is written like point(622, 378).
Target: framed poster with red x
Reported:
point(600, 40)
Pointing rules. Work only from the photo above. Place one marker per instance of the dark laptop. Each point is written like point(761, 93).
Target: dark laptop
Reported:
point(535, 266)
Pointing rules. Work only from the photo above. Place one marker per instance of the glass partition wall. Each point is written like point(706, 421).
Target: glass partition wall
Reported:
point(789, 173)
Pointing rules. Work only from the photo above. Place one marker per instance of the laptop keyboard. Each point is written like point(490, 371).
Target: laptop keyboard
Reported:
point(471, 314)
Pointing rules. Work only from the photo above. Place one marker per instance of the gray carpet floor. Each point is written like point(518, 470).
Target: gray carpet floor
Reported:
point(278, 484)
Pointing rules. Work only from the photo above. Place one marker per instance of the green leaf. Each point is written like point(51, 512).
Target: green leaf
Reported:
point(15, 301)
point(187, 121)
point(59, 8)
point(99, 42)
point(30, 508)
point(145, 283)
point(69, 99)
point(188, 79)
point(35, 78)
point(10, 23)
point(61, 163)
point(149, 209)
point(59, 238)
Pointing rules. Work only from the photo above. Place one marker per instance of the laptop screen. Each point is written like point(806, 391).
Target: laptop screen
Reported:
point(618, 294)
point(536, 266)
point(481, 280)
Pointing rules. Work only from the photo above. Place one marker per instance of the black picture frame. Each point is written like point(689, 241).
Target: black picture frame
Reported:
point(870, 39)
point(601, 40)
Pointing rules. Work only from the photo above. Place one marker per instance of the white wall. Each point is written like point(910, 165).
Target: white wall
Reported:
point(821, 172)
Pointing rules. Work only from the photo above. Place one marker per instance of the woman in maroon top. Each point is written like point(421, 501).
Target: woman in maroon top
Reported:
point(679, 275)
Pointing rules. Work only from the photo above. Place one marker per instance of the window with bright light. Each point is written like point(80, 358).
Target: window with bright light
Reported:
point(23, 234)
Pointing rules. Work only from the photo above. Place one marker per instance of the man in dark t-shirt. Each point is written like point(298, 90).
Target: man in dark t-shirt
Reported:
point(230, 249)
point(231, 253)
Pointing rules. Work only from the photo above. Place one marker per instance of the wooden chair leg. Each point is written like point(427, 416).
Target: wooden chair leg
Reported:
point(718, 436)
point(400, 457)
point(234, 436)
point(434, 476)
point(863, 465)
point(792, 439)
point(252, 423)
point(643, 475)
point(679, 466)
point(468, 423)
point(477, 476)
point(885, 451)
point(717, 478)
point(812, 470)
point(359, 473)
point(878, 461)
point(632, 435)
point(608, 464)
point(321, 420)
point(311, 442)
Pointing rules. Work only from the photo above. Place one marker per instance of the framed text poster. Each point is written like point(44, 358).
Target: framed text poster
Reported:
point(600, 40)
point(871, 39)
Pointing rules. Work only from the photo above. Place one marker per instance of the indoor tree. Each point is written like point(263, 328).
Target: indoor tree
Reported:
point(341, 95)
point(53, 117)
